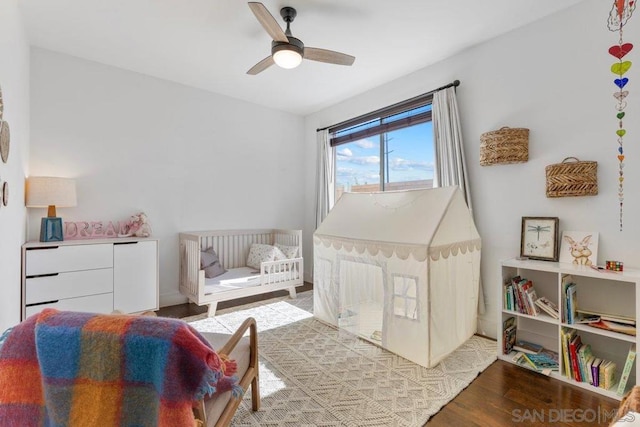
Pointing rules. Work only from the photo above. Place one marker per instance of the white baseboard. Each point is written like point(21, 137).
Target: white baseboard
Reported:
point(173, 298)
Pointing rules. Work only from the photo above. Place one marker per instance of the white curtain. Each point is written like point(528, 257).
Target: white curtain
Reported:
point(451, 168)
point(450, 164)
point(325, 177)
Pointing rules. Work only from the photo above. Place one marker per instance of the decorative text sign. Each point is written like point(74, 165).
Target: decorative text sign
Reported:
point(90, 230)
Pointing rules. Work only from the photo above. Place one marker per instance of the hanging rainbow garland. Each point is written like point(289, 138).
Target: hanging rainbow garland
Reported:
point(618, 17)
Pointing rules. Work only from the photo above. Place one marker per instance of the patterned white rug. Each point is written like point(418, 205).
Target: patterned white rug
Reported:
point(312, 374)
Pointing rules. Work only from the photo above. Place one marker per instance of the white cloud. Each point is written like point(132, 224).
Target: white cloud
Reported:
point(345, 152)
point(399, 164)
point(365, 143)
point(366, 160)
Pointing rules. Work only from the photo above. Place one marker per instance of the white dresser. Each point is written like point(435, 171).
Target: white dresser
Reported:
point(97, 276)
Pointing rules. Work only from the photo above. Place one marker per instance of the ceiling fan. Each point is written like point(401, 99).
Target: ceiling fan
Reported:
point(286, 50)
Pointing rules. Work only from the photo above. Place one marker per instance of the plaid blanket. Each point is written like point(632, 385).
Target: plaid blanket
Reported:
point(80, 369)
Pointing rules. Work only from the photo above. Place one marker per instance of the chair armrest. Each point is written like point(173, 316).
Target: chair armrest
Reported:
point(252, 372)
point(248, 324)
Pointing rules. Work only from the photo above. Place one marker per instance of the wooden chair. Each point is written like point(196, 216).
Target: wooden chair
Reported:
point(219, 410)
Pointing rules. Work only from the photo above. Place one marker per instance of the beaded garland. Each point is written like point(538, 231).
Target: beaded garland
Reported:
point(618, 17)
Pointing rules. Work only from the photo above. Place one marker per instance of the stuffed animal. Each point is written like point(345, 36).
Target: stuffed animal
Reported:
point(137, 226)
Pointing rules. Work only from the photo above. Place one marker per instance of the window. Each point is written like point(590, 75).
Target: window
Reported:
point(389, 149)
point(405, 296)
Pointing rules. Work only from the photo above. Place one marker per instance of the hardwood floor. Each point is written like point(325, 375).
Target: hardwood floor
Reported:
point(502, 395)
point(506, 395)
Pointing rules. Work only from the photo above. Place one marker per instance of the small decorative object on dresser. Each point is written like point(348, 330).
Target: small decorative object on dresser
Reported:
point(137, 226)
point(539, 238)
point(50, 192)
point(579, 247)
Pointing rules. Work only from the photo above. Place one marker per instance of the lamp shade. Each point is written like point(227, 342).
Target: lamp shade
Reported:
point(287, 58)
point(44, 191)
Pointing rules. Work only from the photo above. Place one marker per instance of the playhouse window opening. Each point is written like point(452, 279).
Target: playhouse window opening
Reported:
point(405, 297)
point(386, 150)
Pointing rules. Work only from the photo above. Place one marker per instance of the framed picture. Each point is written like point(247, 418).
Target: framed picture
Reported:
point(579, 247)
point(539, 238)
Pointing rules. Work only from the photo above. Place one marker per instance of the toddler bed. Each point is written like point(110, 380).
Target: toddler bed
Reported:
point(222, 265)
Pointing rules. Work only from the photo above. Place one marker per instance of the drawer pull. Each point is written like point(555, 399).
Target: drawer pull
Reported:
point(42, 303)
point(125, 243)
point(43, 275)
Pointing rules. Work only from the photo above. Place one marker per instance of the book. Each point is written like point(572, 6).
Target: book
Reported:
point(586, 318)
point(584, 353)
point(618, 318)
point(522, 287)
point(607, 374)
point(588, 367)
point(509, 335)
point(571, 302)
point(615, 327)
point(595, 371)
point(601, 372)
point(574, 346)
point(565, 338)
point(548, 307)
point(507, 296)
point(522, 359)
point(532, 296)
point(527, 347)
point(624, 377)
point(567, 280)
point(546, 359)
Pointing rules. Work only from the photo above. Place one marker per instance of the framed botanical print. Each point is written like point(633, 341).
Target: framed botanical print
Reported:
point(539, 238)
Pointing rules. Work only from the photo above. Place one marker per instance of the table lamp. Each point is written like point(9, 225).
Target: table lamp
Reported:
point(49, 192)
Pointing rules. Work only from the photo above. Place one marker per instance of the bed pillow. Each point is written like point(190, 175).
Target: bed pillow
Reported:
point(260, 253)
point(286, 252)
point(210, 262)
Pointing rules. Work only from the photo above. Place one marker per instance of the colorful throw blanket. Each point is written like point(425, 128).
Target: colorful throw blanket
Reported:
point(80, 369)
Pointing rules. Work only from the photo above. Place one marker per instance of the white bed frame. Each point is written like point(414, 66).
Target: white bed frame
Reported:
point(232, 247)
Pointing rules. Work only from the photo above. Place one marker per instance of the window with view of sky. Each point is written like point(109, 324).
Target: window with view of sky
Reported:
point(405, 157)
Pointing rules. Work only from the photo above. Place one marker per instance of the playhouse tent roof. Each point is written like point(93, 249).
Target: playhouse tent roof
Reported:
point(428, 217)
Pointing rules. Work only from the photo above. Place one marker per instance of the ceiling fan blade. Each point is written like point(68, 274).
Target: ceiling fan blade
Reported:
point(268, 22)
point(261, 66)
point(330, 56)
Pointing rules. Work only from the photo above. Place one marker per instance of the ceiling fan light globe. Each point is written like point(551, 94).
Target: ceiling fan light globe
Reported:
point(287, 58)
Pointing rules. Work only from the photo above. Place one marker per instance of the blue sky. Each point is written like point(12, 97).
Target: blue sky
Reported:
point(410, 157)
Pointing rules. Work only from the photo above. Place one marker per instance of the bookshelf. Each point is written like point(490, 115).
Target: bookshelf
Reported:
point(598, 290)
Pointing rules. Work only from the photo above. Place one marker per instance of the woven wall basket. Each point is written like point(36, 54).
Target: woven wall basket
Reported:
point(572, 178)
point(505, 145)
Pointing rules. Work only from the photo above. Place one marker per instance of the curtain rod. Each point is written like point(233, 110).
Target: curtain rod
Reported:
point(454, 83)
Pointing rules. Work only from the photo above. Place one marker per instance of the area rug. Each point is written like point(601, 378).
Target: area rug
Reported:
point(312, 374)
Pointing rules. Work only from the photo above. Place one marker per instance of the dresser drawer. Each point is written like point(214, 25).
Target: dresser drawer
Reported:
point(102, 303)
point(68, 258)
point(68, 285)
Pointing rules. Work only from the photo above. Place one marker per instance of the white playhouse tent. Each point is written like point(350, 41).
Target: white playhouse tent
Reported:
point(400, 269)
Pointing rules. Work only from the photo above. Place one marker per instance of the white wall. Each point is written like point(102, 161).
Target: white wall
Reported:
point(190, 159)
point(552, 77)
point(14, 81)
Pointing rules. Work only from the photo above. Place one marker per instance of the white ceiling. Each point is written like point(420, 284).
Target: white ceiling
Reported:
point(210, 44)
